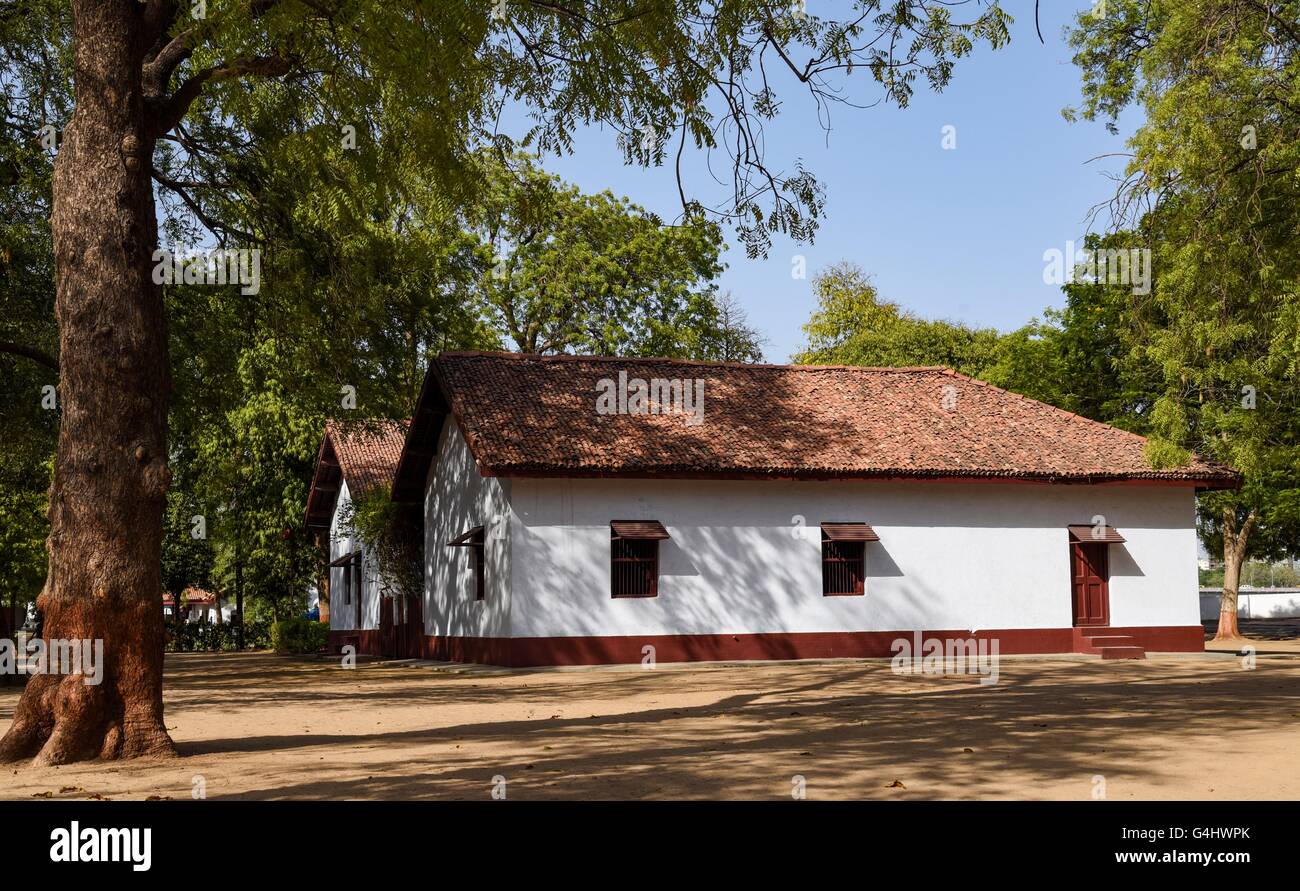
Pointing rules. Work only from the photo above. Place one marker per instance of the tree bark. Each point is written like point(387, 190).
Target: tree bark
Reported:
point(1234, 555)
point(111, 476)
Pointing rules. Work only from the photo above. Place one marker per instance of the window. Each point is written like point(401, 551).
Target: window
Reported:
point(349, 566)
point(475, 540)
point(634, 557)
point(844, 558)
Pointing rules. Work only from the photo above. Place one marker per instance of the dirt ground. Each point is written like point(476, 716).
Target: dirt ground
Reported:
point(261, 726)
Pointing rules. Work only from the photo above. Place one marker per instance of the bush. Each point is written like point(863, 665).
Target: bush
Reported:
point(192, 637)
point(299, 636)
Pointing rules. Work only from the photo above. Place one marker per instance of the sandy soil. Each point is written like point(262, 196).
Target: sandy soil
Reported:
point(261, 726)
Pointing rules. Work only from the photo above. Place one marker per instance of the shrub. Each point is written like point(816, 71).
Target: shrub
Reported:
point(299, 636)
point(191, 637)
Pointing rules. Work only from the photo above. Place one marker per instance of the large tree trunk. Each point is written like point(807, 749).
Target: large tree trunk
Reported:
point(106, 500)
point(1234, 555)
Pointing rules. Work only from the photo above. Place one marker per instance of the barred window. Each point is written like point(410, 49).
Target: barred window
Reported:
point(844, 558)
point(634, 557)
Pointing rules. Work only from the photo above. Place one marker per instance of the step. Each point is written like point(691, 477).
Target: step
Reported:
point(1109, 640)
point(1122, 652)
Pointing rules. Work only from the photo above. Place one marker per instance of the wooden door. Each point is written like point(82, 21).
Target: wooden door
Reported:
point(358, 591)
point(387, 633)
point(1090, 571)
point(413, 628)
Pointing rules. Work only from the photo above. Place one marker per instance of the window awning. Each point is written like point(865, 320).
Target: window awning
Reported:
point(639, 529)
point(1107, 534)
point(346, 558)
point(470, 539)
point(849, 532)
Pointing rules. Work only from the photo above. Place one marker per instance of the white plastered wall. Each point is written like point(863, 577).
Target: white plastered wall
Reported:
point(744, 556)
point(457, 499)
point(343, 541)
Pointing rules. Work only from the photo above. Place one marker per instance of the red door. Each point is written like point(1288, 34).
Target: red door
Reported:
point(1090, 570)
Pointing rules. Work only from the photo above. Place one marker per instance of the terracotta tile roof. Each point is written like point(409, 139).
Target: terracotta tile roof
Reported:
point(191, 596)
point(367, 451)
point(361, 453)
point(526, 415)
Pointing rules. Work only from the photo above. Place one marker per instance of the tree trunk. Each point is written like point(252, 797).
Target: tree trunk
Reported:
point(239, 600)
point(111, 476)
point(1234, 555)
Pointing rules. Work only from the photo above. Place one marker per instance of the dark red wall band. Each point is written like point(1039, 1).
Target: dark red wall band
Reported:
point(521, 652)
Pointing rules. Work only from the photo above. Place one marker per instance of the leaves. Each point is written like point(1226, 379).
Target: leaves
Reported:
point(1212, 186)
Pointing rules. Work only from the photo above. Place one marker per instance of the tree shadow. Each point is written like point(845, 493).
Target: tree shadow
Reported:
point(849, 728)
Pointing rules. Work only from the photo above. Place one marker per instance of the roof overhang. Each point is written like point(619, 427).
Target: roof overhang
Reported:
point(421, 446)
point(1200, 484)
point(326, 482)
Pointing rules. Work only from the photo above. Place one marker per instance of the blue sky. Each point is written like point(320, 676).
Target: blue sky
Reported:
point(956, 234)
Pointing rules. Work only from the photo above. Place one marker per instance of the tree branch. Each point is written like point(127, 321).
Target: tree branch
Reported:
point(171, 111)
point(213, 226)
point(158, 72)
point(32, 353)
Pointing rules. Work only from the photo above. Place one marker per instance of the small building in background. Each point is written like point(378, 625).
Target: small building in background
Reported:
point(356, 460)
point(197, 605)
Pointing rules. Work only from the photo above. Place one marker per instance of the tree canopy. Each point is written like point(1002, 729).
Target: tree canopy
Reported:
point(1211, 188)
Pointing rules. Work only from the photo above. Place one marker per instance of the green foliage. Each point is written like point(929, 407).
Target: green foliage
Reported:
point(187, 557)
point(296, 636)
point(1256, 574)
point(191, 637)
point(23, 528)
point(854, 326)
point(253, 462)
point(346, 141)
point(591, 274)
point(725, 334)
point(424, 91)
point(1213, 179)
point(394, 534)
point(1082, 357)
point(26, 301)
